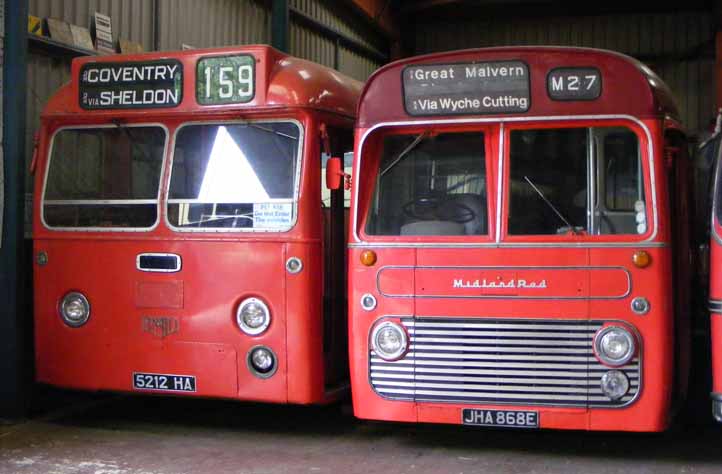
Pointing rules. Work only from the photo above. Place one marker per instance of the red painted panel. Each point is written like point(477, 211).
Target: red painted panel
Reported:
point(159, 294)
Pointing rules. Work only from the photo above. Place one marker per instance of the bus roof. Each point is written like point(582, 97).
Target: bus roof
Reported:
point(626, 86)
point(281, 81)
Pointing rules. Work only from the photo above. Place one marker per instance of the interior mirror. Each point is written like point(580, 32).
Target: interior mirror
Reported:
point(334, 173)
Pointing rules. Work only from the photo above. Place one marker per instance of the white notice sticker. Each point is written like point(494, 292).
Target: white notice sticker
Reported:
point(272, 214)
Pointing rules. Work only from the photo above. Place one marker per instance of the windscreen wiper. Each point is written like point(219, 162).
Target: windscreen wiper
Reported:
point(288, 153)
point(405, 151)
point(553, 208)
point(270, 130)
point(133, 139)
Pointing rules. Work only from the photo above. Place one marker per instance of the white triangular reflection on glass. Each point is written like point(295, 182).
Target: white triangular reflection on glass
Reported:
point(229, 176)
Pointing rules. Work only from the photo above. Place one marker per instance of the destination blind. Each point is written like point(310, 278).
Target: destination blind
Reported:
point(467, 88)
point(148, 84)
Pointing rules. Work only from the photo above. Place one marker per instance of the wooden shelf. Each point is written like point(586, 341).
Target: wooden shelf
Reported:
point(48, 45)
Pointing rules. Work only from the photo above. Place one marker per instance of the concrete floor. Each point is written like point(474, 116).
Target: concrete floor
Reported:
point(152, 435)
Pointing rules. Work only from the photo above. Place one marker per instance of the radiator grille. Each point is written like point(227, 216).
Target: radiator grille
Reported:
point(499, 361)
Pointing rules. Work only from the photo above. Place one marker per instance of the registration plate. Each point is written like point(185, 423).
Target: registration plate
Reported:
point(507, 418)
point(164, 382)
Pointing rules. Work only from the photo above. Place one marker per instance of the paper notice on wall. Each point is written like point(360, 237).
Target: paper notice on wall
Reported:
point(103, 34)
point(272, 215)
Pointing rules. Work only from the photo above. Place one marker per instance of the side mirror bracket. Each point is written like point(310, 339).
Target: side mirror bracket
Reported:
point(335, 173)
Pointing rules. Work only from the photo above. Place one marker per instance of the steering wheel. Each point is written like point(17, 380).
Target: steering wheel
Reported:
point(432, 207)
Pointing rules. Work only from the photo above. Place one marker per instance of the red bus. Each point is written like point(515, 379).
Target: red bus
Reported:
point(181, 244)
point(519, 243)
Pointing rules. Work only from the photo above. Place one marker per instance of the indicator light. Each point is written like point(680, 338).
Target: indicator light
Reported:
point(641, 259)
point(368, 257)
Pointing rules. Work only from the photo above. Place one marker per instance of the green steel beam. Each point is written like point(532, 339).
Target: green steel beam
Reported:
point(14, 322)
point(280, 25)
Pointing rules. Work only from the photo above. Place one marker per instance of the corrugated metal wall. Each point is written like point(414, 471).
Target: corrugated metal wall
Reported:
point(676, 46)
point(131, 19)
point(309, 44)
point(212, 23)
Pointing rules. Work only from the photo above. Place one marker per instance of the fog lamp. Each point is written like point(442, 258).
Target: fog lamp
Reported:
point(262, 361)
point(614, 345)
point(389, 340)
point(253, 316)
point(75, 309)
point(615, 384)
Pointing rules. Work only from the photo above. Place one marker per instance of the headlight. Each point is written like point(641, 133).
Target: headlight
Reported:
point(74, 309)
point(615, 384)
point(614, 345)
point(262, 362)
point(389, 340)
point(253, 316)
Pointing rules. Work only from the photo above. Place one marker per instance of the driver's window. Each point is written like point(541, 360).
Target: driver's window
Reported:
point(431, 185)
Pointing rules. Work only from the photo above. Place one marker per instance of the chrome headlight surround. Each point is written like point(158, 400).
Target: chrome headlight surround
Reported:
point(386, 328)
point(74, 309)
point(602, 340)
point(247, 305)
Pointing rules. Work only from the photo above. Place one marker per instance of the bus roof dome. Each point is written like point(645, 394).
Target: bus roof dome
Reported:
point(280, 81)
point(446, 85)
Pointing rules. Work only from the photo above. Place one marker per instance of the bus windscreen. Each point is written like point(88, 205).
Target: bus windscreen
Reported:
point(234, 176)
point(104, 177)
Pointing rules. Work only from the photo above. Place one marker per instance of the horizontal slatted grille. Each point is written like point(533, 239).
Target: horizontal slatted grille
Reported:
point(499, 361)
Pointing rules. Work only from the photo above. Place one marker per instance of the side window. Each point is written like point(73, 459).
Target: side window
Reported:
point(576, 180)
point(621, 171)
point(341, 143)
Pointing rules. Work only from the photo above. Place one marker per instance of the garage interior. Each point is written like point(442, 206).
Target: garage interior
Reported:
point(51, 430)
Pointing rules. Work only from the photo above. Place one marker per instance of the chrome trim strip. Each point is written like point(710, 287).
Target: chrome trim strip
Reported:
point(492, 334)
point(515, 342)
point(503, 120)
point(156, 201)
point(200, 201)
point(641, 245)
point(481, 325)
point(588, 382)
point(497, 348)
point(715, 189)
point(59, 202)
point(556, 374)
point(504, 297)
point(176, 268)
point(714, 306)
point(300, 162)
point(500, 179)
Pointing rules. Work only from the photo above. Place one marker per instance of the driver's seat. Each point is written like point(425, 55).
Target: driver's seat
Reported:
point(475, 202)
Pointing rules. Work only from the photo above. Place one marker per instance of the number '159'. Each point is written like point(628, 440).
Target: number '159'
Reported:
point(229, 86)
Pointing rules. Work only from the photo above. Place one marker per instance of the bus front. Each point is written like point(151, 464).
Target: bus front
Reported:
point(510, 260)
point(178, 244)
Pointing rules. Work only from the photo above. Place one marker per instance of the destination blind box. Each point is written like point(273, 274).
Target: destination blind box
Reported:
point(130, 85)
point(574, 83)
point(467, 88)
